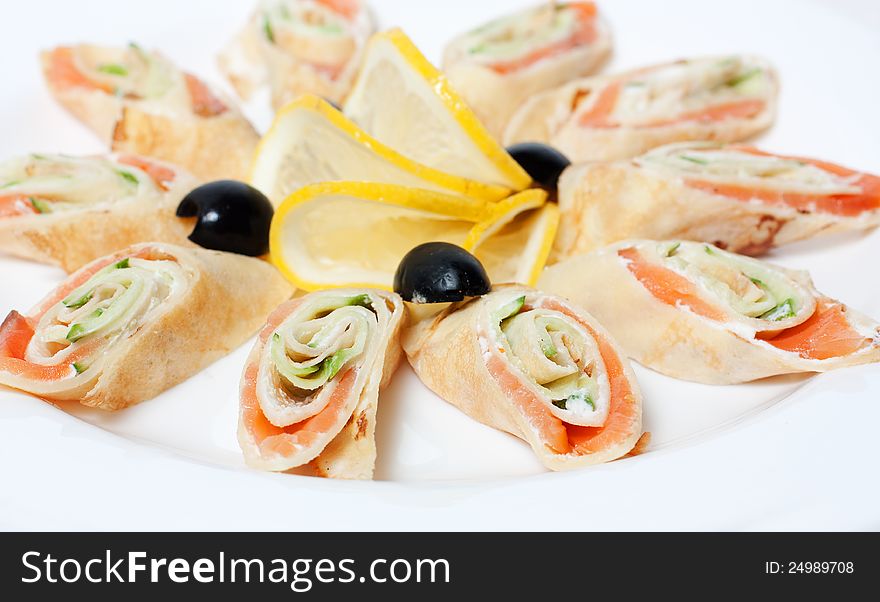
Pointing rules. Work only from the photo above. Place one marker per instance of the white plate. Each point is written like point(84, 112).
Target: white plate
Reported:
point(791, 452)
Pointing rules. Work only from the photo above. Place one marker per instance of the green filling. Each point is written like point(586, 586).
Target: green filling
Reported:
point(11, 183)
point(113, 69)
point(311, 377)
point(128, 177)
point(267, 29)
point(363, 300)
point(671, 251)
point(548, 348)
point(562, 404)
point(696, 160)
point(332, 364)
point(80, 297)
point(279, 356)
point(79, 367)
point(510, 309)
point(743, 77)
point(782, 311)
point(40, 206)
point(322, 372)
point(81, 329)
point(77, 303)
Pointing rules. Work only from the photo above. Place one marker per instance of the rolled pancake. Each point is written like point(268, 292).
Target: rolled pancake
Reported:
point(608, 117)
point(535, 366)
point(140, 103)
point(128, 326)
point(736, 197)
point(500, 64)
point(310, 387)
point(692, 311)
point(69, 211)
point(299, 47)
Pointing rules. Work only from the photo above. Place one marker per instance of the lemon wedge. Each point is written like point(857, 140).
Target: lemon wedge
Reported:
point(337, 234)
point(514, 240)
point(310, 141)
point(402, 100)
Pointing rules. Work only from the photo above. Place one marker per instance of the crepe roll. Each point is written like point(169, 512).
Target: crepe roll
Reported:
point(139, 102)
point(535, 366)
point(128, 326)
point(726, 99)
point(693, 311)
point(737, 197)
point(500, 64)
point(310, 387)
point(68, 211)
point(297, 47)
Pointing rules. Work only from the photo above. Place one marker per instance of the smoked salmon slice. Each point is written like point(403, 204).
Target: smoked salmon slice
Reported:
point(16, 204)
point(87, 340)
point(824, 335)
point(70, 210)
point(668, 286)
point(616, 117)
point(498, 65)
point(843, 204)
point(583, 33)
point(309, 390)
point(533, 365)
point(693, 311)
point(204, 102)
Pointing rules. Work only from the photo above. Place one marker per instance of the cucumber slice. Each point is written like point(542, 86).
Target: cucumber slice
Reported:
point(81, 295)
point(105, 318)
point(77, 303)
point(547, 345)
point(314, 376)
point(81, 329)
point(289, 369)
point(562, 404)
point(783, 311)
point(128, 177)
point(510, 309)
point(40, 206)
point(113, 69)
point(744, 77)
point(267, 29)
point(581, 396)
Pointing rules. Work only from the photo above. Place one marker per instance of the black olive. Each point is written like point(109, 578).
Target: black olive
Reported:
point(544, 163)
point(440, 272)
point(231, 216)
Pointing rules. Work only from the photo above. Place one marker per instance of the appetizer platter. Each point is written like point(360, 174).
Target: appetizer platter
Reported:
point(445, 267)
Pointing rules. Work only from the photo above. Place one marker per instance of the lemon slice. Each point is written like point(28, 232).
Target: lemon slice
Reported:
point(514, 241)
point(311, 142)
point(337, 234)
point(402, 100)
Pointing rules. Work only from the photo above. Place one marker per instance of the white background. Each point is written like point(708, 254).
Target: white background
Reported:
point(786, 453)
